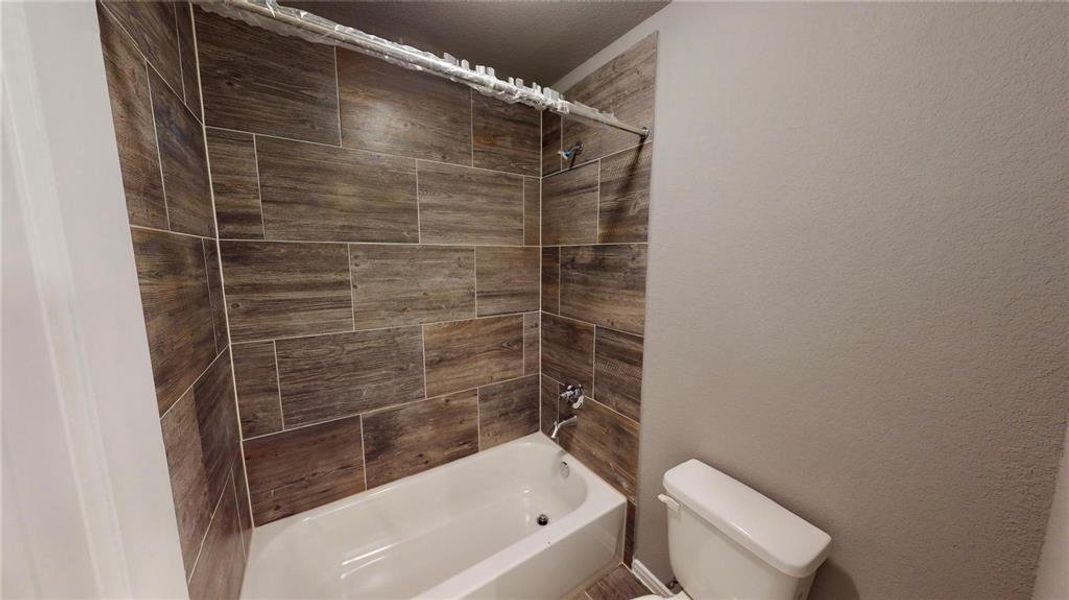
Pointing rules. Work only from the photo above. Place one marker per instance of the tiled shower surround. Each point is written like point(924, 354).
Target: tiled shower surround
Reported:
point(402, 275)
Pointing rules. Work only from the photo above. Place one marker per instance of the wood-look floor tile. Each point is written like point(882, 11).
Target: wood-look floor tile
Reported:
point(619, 584)
point(330, 376)
point(189, 482)
point(507, 137)
point(316, 192)
point(221, 566)
point(177, 309)
point(215, 294)
point(217, 421)
point(184, 161)
point(551, 132)
point(618, 371)
point(235, 183)
point(415, 437)
point(153, 27)
point(551, 280)
point(278, 289)
point(256, 380)
point(531, 345)
point(624, 205)
point(257, 81)
point(466, 354)
point(410, 285)
point(570, 207)
point(605, 285)
point(625, 87)
point(568, 350)
point(532, 211)
point(508, 410)
point(549, 395)
point(297, 470)
point(187, 51)
point(606, 442)
point(131, 114)
point(386, 108)
point(507, 279)
point(461, 205)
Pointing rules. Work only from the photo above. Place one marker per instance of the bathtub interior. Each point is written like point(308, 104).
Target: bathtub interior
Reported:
point(406, 537)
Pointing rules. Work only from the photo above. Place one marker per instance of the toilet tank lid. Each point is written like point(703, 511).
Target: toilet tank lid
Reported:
point(781, 538)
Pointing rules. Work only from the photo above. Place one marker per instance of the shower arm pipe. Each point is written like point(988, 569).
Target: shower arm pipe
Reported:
point(284, 20)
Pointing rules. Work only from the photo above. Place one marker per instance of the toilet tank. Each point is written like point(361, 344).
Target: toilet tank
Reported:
point(726, 540)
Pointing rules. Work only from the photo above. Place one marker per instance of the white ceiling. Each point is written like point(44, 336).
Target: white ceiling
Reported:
point(534, 40)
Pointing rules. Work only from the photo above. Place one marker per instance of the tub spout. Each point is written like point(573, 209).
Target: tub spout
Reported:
point(558, 425)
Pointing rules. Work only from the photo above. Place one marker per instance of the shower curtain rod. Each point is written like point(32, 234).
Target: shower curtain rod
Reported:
point(269, 14)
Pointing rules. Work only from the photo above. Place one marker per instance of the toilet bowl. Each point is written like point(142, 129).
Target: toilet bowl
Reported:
point(726, 540)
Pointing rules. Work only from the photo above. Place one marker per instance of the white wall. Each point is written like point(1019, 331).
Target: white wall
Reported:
point(857, 289)
point(87, 503)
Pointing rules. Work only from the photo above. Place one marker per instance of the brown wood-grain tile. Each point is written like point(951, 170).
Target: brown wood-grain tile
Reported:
point(625, 87)
point(415, 437)
point(184, 161)
point(624, 204)
point(551, 280)
point(300, 469)
point(507, 137)
point(570, 207)
point(531, 335)
point(607, 443)
point(276, 289)
point(135, 133)
point(507, 279)
point(257, 81)
point(330, 376)
point(215, 294)
point(618, 584)
point(386, 108)
point(605, 285)
point(153, 27)
point(256, 377)
point(177, 310)
point(568, 350)
point(411, 285)
point(189, 482)
point(618, 371)
point(236, 184)
point(508, 410)
point(221, 566)
point(532, 211)
point(549, 395)
point(462, 205)
point(217, 422)
point(551, 132)
point(187, 52)
point(316, 192)
point(466, 354)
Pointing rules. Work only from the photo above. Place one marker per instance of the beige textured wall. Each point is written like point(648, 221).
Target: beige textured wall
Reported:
point(857, 280)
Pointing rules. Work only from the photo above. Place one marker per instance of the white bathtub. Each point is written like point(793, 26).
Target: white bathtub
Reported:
point(463, 530)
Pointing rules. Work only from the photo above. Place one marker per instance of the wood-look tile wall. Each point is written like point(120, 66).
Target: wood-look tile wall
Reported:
point(594, 221)
point(380, 234)
point(153, 82)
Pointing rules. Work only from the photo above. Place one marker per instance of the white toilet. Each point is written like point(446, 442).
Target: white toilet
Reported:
point(726, 540)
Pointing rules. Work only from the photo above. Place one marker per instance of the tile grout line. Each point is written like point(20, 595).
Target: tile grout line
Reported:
point(159, 155)
point(222, 282)
point(207, 276)
point(178, 38)
point(419, 217)
point(363, 450)
point(423, 351)
point(361, 150)
point(475, 275)
point(259, 187)
point(196, 380)
point(337, 96)
point(408, 244)
point(204, 538)
point(352, 292)
point(386, 408)
point(278, 385)
point(471, 124)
